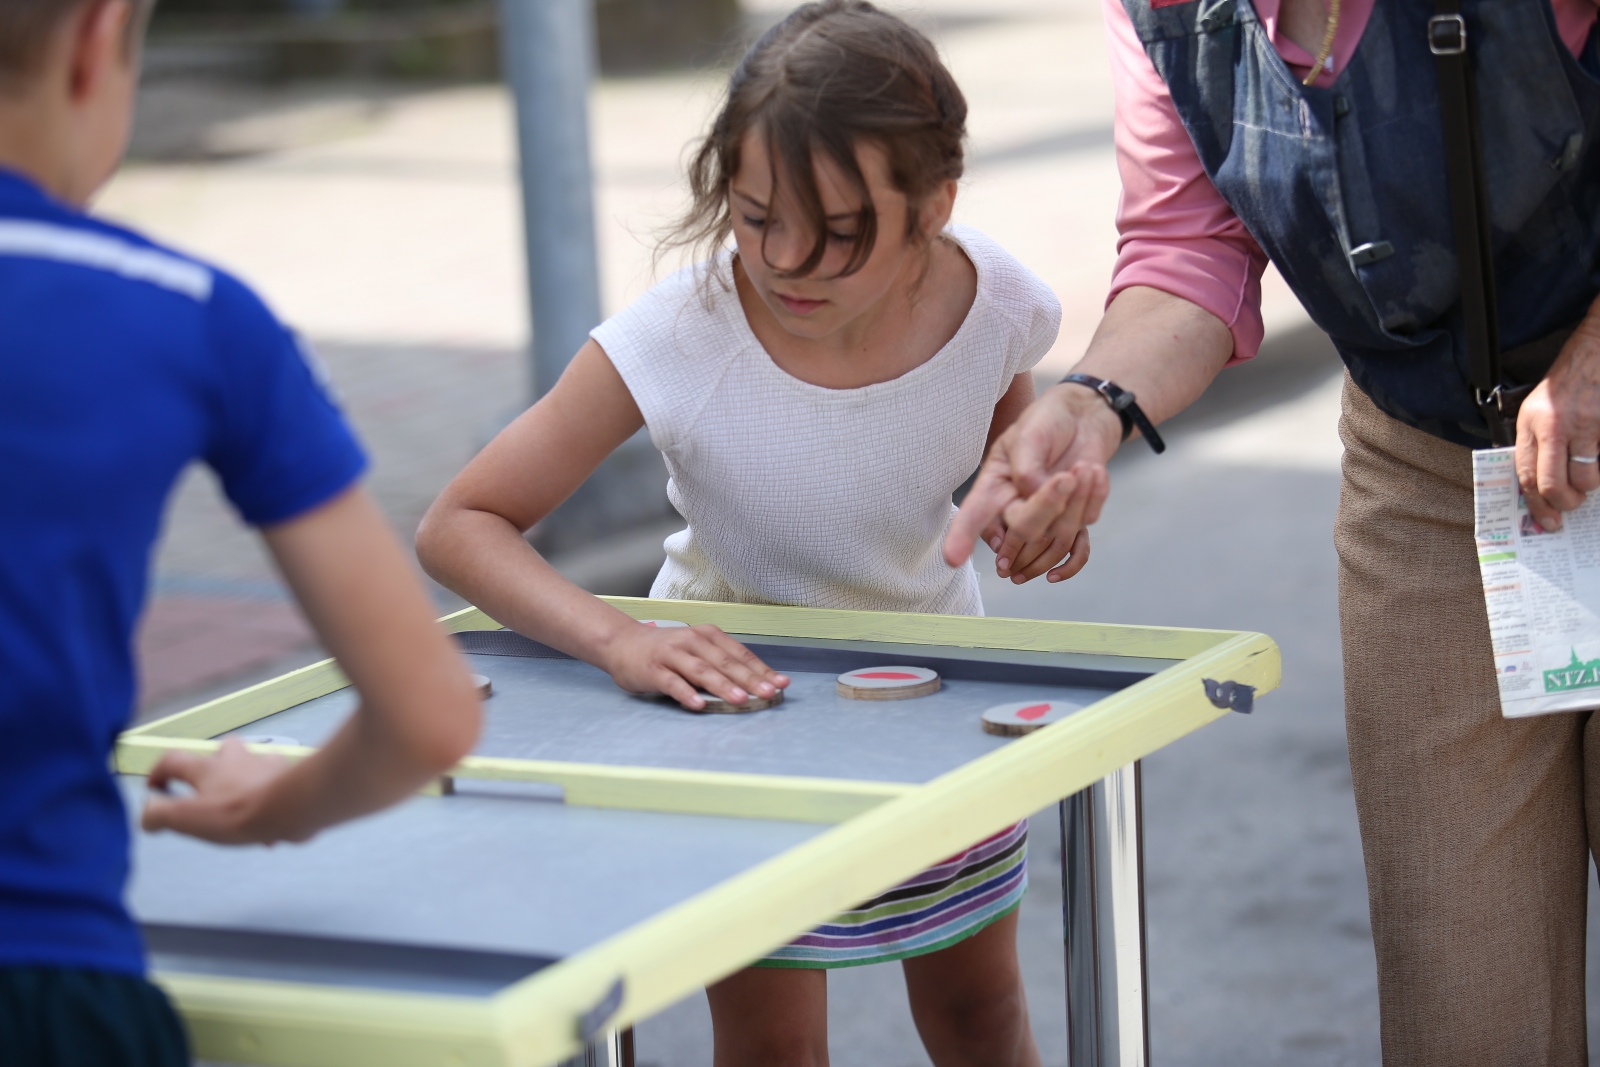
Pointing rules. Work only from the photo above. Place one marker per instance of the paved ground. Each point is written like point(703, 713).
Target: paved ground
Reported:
point(384, 224)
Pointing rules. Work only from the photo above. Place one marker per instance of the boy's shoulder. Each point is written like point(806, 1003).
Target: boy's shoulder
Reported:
point(82, 253)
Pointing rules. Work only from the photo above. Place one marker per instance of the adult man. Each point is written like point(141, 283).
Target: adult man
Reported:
point(1253, 132)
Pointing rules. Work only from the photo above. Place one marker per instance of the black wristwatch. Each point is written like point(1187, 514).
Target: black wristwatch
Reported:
point(1123, 403)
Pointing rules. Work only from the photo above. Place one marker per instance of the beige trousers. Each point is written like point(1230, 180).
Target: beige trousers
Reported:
point(1473, 825)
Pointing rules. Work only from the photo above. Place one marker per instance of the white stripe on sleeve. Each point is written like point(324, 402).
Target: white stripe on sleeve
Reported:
point(43, 240)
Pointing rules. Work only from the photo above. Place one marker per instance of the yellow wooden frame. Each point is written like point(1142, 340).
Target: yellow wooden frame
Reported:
point(884, 833)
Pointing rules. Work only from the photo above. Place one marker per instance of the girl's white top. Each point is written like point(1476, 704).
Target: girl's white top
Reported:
point(797, 494)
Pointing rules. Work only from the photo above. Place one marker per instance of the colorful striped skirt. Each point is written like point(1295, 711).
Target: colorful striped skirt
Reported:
point(933, 910)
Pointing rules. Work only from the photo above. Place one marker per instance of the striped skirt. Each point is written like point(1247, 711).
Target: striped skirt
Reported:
point(933, 910)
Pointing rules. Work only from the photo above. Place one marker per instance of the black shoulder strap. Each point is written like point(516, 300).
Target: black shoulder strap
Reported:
point(1469, 209)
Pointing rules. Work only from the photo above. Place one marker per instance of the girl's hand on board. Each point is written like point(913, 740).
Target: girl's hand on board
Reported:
point(683, 661)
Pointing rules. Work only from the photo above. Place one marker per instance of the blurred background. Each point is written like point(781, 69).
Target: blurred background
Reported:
point(356, 161)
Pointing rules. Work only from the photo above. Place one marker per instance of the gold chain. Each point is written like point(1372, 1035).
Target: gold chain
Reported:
point(1327, 43)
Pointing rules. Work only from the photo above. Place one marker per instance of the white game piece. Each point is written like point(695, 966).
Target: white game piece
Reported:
point(717, 706)
point(888, 683)
point(1025, 716)
point(484, 687)
point(268, 739)
point(663, 623)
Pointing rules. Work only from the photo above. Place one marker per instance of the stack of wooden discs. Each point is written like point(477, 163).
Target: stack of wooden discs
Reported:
point(888, 683)
point(715, 705)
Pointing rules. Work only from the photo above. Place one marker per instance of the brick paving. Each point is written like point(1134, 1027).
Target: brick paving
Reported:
point(187, 642)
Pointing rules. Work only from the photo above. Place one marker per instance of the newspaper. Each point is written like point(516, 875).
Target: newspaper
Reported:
point(1543, 594)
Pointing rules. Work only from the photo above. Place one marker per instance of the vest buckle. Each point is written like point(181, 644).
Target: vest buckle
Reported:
point(1502, 424)
point(1499, 408)
point(1447, 35)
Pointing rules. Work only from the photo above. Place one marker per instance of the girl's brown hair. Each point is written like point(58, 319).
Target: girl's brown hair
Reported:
point(829, 76)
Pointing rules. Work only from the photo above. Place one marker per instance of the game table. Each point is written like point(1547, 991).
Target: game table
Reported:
point(601, 855)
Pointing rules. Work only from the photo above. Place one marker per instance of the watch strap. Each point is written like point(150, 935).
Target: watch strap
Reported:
point(1125, 405)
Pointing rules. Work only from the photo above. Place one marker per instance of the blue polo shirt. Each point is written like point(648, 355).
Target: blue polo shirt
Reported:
point(120, 362)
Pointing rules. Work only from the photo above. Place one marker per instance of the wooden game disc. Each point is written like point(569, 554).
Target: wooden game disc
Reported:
point(1024, 717)
point(662, 623)
point(888, 683)
point(484, 687)
point(717, 706)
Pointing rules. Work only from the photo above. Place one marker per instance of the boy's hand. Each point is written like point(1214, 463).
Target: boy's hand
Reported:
point(230, 791)
point(680, 661)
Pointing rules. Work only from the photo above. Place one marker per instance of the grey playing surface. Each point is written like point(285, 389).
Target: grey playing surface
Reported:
point(566, 710)
point(468, 893)
point(503, 877)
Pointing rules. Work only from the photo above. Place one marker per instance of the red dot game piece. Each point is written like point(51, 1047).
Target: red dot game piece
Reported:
point(715, 705)
point(888, 683)
point(1024, 717)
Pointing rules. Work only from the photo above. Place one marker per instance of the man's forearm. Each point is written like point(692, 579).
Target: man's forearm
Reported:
point(1163, 348)
point(1160, 347)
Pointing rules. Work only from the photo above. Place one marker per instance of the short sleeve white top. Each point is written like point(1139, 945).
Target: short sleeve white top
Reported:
point(803, 495)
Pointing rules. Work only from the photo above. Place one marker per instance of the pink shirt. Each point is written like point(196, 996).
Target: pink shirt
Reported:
point(1177, 233)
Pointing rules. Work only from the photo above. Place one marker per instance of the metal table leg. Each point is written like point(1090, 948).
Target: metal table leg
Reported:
point(1102, 880)
point(614, 1048)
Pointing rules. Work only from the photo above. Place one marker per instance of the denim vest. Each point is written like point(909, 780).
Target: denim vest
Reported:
point(1345, 187)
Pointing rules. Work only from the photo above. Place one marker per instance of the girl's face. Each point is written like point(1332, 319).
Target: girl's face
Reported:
point(774, 238)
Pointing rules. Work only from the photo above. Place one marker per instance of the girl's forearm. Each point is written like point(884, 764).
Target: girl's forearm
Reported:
point(471, 538)
point(485, 559)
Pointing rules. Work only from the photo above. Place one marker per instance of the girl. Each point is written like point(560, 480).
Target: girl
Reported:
point(818, 392)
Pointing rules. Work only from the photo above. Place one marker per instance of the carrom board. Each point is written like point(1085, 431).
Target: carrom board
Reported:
point(602, 855)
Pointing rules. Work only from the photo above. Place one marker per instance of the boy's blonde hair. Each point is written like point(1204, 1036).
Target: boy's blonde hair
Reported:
point(26, 27)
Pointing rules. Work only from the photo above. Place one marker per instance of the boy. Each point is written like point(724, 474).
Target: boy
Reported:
point(120, 363)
